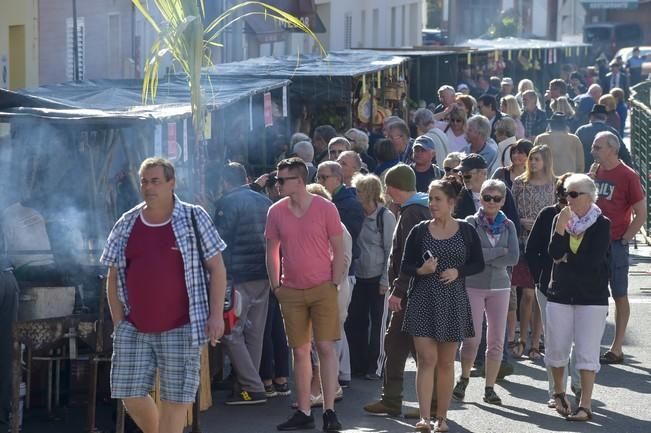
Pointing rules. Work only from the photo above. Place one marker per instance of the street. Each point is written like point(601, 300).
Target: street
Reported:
point(621, 397)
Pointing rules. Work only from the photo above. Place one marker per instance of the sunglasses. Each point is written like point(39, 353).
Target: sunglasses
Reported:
point(574, 194)
point(488, 198)
point(281, 180)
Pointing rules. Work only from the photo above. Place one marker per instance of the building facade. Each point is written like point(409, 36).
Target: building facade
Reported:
point(19, 47)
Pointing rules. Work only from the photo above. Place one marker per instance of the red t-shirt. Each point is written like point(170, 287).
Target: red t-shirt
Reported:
point(618, 190)
point(305, 241)
point(158, 297)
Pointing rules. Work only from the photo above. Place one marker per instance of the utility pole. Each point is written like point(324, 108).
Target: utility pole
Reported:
point(75, 43)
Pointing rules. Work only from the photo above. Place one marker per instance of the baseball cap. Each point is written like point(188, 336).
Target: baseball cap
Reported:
point(424, 141)
point(507, 80)
point(462, 87)
point(471, 162)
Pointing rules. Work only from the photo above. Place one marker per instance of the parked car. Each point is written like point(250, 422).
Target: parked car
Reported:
point(435, 37)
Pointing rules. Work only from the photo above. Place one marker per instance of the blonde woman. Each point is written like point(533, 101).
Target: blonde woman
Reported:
point(532, 191)
point(612, 118)
point(524, 85)
point(372, 280)
point(510, 106)
point(562, 105)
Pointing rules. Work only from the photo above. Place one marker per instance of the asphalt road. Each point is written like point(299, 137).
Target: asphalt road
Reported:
point(622, 395)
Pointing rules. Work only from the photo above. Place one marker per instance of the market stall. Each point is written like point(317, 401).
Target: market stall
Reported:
point(344, 89)
point(69, 156)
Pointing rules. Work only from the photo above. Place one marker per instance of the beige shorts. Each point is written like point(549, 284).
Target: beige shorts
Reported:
point(305, 310)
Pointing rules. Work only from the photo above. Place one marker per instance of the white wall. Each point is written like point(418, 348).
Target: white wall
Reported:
point(571, 17)
point(540, 15)
point(406, 27)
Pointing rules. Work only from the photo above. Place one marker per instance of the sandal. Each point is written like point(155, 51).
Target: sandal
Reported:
point(611, 357)
point(424, 425)
point(580, 414)
point(441, 424)
point(518, 348)
point(534, 354)
point(562, 404)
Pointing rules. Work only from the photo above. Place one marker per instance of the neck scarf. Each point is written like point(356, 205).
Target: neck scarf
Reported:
point(495, 227)
point(576, 226)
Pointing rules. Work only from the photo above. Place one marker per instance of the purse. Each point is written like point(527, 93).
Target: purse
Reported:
point(232, 299)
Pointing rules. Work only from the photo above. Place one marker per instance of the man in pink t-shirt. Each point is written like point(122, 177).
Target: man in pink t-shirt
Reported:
point(308, 230)
point(620, 197)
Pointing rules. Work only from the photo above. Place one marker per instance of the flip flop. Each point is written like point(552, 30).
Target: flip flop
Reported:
point(534, 354)
point(580, 414)
point(562, 404)
point(611, 358)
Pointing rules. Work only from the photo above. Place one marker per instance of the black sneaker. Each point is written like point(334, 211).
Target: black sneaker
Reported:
point(245, 398)
point(298, 421)
point(270, 391)
point(282, 388)
point(459, 391)
point(330, 421)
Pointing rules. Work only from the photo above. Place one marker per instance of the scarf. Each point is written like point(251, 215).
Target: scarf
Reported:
point(495, 227)
point(576, 226)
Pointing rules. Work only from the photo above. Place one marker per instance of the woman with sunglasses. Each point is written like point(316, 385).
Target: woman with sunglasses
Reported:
point(533, 190)
point(490, 290)
point(439, 254)
point(578, 292)
point(540, 265)
point(455, 129)
point(518, 154)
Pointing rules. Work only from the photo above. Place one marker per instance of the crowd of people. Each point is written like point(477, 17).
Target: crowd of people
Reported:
point(486, 229)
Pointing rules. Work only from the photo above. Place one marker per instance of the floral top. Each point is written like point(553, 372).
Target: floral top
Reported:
point(531, 199)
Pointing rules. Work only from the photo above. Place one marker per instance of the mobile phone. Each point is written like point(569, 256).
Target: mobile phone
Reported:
point(427, 255)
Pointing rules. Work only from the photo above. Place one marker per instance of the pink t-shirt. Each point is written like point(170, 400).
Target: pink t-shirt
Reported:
point(304, 242)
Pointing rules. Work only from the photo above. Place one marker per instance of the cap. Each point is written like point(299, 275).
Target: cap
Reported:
point(599, 109)
point(402, 177)
point(462, 87)
point(558, 119)
point(471, 162)
point(507, 80)
point(424, 141)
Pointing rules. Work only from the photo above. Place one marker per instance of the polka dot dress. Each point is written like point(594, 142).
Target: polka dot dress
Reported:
point(437, 310)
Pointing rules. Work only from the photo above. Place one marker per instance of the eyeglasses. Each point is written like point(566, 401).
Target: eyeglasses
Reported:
point(574, 194)
point(488, 198)
point(323, 177)
point(281, 180)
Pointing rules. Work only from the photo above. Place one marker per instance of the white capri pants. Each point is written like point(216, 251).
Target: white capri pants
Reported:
point(582, 325)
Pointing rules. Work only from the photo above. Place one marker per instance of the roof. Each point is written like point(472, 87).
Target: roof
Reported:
point(347, 63)
point(122, 98)
point(511, 43)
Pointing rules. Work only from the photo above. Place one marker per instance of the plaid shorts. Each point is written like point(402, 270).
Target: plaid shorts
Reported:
point(137, 355)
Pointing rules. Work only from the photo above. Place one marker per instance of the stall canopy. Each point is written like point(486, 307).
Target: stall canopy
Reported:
point(511, 43)
point(122, 99)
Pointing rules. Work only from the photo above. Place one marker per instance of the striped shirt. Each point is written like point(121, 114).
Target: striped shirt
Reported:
point(195, 281)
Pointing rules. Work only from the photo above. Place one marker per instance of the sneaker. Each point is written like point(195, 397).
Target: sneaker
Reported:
point(246, 398)
point(330, 421)
point(459, 391)
point(282, 388)
point(298, 421)
point(372, 376)
point(270, 391)
point(491, 397)
point(477, 371)
point(383, 408)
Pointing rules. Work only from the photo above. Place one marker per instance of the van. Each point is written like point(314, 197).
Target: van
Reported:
point(607, 38)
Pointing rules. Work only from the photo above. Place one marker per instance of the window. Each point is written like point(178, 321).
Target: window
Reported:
point(348, 30)
point(114, 46)
point(403, 26)
point(376, 28)
point(70, 58)
point(362, 38)
point(394, 23)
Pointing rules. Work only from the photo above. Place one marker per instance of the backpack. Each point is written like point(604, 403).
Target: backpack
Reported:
point(379, 220)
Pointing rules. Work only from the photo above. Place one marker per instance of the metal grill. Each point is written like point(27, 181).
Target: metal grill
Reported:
point(641, 139)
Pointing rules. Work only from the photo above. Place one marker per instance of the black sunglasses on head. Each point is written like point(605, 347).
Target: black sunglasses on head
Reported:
point(488, 198)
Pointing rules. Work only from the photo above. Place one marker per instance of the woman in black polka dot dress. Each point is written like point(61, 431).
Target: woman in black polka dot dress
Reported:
point(438, 255)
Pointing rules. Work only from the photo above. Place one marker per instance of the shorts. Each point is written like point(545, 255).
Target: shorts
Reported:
point(521, 276)
point(618, 269)
point(307, 310)
point(137, 356)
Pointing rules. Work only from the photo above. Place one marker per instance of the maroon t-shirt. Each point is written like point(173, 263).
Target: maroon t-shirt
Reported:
point(158, 297)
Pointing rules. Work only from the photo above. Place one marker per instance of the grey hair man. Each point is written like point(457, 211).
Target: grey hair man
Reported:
point(505, 134)
point(351, 164)
point(305, 151)
point(478, 135)
point(297, 137)
point(336, 146)
point(622, 199)
point(446, 96)
point(424, 121)
point(359, 143)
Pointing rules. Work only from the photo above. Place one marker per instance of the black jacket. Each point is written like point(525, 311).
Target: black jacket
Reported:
point(412, 258)
point(536, 250)
point(351, 214)
point(583, 279)
point(466, 207)
point(240, 217)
